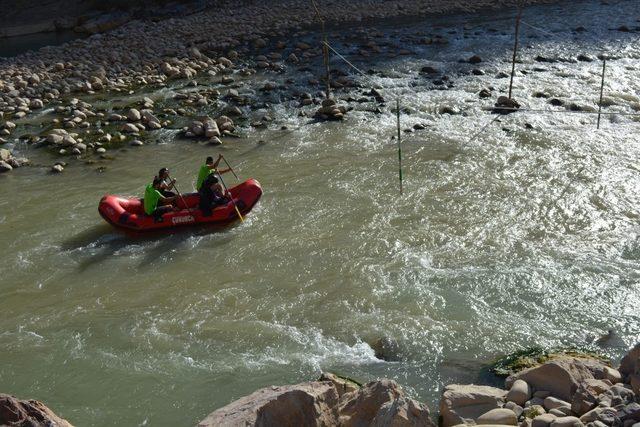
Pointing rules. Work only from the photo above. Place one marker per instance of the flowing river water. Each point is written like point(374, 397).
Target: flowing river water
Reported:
point(526, 235)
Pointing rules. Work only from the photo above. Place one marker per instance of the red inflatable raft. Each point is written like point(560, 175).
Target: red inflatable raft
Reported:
point(129, 213)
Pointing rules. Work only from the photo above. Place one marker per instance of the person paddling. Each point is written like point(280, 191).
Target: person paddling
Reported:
point(211, 195)
point(207, 169)
point(166, 184)
point(155, 204)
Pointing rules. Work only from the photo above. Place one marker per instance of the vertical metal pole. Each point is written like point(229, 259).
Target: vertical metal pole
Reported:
point(399, 145)
point(515, 49)
point(604, 69)
point(325, 49)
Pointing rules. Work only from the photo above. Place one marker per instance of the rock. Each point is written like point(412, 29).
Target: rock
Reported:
point(133, 115)
point(136, 143)
point(14, 412)
point(612, 375)
point(533, 411)
point(402, 412)
point(306, 404)
point(586, 396)
point(57, 168)
point(500, 416)
point(475, 59)
point(517, 409)
point(210, 128)
point(342, 385)
point(591, 416)
point(386, 348)
point(101, 150)
point(566, 422)
point(560, 376)
point(461, 404)
point(562, 411)
point(5, 167)
point(630, 363)
point(429, 70)
point(129, 128)
point(360, 407)
point(485, 93)
point(543, 420)
point(553, 402)
point(36, 104)
point(584, 58)
point(519, 393)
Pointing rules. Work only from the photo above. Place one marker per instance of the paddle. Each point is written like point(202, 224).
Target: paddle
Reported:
point(230, 195)
point(230, 168)
point(179, 194)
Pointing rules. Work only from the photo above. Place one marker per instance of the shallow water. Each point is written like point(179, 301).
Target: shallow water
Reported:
point(519, 237)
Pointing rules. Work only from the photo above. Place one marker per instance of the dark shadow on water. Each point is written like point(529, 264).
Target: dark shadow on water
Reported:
point(99, 243)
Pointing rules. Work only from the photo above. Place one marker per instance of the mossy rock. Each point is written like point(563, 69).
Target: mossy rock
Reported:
point(535, 356)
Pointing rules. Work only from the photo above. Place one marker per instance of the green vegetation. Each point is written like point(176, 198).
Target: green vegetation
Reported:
point(534, 356)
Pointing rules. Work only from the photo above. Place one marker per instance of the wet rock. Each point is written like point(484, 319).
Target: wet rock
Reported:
point(57, 168)
point(5, 167)
point(136, 143)
point(475, 59)
point(541, 58)
point(556, 102)
point(429, 70)
point(502, 75)
point(14, 412)
point(462, 404)
point(386, 348)
point(624, 29)
point(484, 93)
point(477, 72)
point(585, 58)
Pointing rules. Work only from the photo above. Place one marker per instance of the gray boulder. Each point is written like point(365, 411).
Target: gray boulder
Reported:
point(462, 404)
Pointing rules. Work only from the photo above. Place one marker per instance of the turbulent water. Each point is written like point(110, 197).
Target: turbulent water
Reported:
point(518, 237)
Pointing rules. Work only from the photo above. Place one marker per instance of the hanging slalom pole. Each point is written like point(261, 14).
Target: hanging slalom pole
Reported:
point(515, 49)
point(399, 144)
point(604, 69)
point(325, 50)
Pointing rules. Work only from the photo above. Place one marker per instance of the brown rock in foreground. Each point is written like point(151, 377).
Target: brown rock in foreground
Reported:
point(330, 401)
point(27, 413)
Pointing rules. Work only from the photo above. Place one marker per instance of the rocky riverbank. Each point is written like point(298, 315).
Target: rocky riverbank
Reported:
point(53, 92)
point(564, 391)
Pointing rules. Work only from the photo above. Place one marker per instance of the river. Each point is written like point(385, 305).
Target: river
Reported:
point(518, 237)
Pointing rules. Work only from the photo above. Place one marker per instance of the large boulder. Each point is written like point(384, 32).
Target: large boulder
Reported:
point(462, 404)
point(14, 412)
point(402, 412)
point(360, 407)
point(630, 363)
point(561, 376)
point(306, 404)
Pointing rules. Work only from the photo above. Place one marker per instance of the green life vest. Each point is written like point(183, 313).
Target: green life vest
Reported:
point(151, 199)
point(204, 172)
